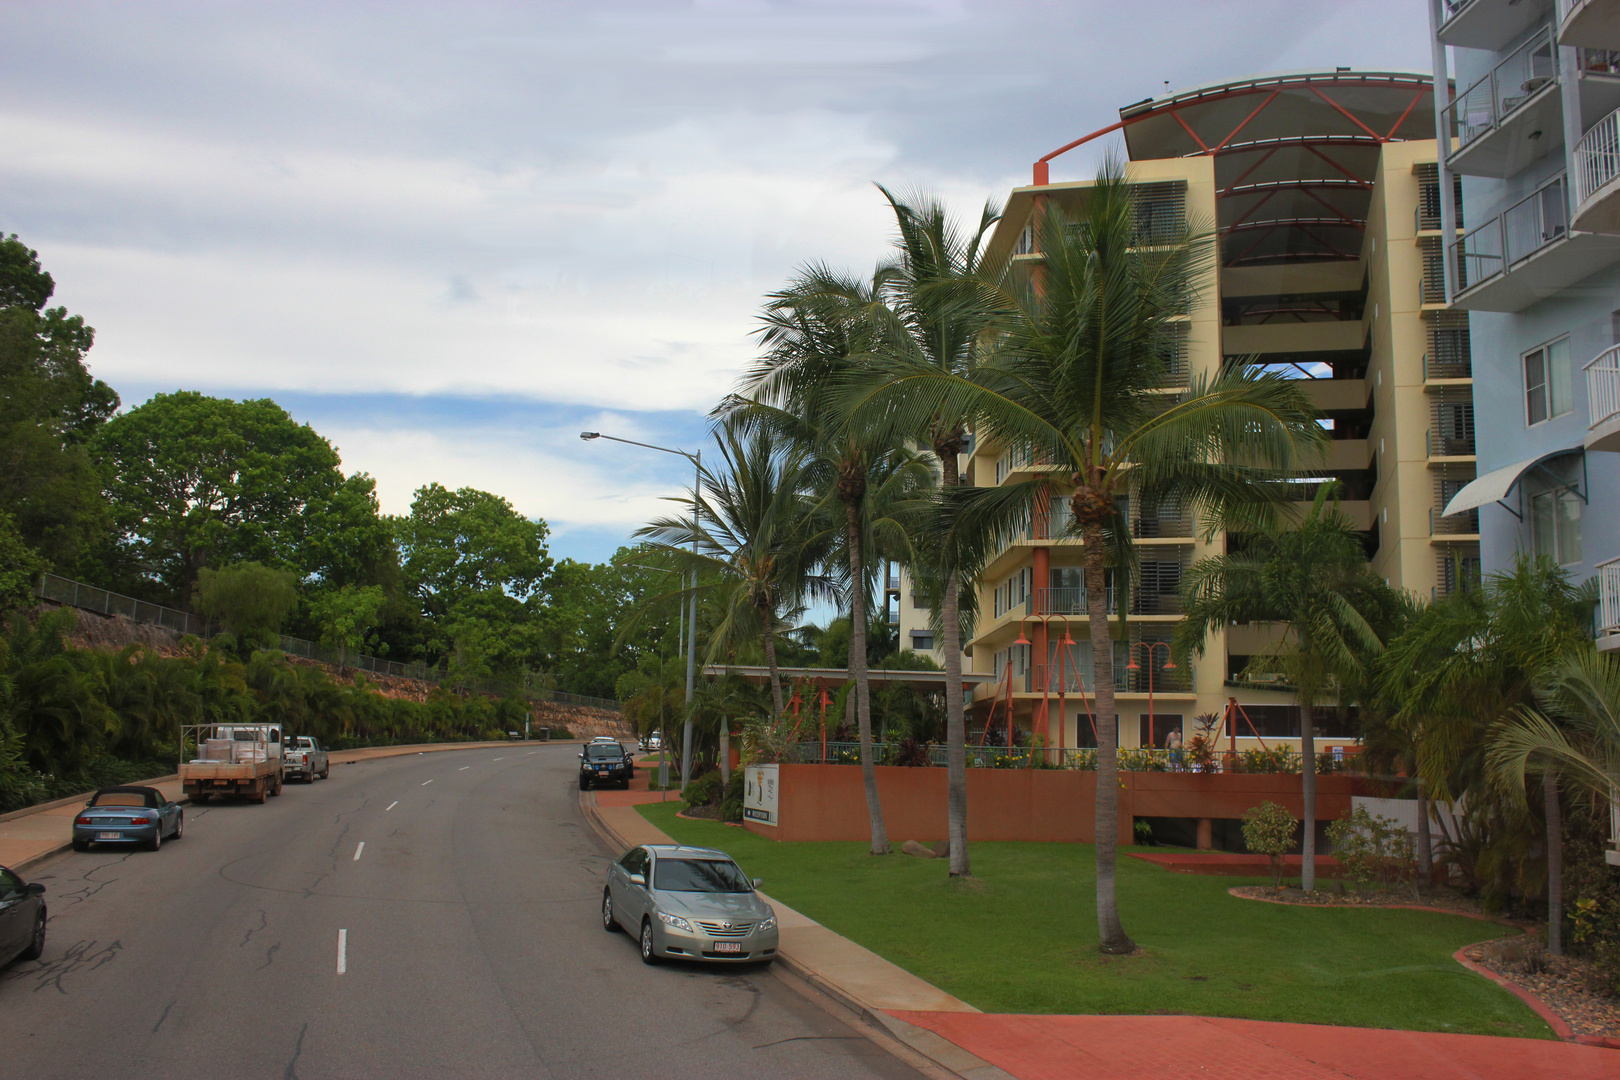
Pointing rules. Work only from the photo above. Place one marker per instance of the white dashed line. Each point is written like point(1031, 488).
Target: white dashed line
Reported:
point(358, 850)
point(500, 759)
point(425, 783)
point(464, 768)
point(343, 951)
point(390, 806)
point(531, 752)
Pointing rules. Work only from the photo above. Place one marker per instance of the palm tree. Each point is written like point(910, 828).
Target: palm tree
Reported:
point(1335, 612)
point(937, 308)
point(1471, 661)
point(757, 538)
point(1075, 378)
point(1574, 734)
point(817, 333)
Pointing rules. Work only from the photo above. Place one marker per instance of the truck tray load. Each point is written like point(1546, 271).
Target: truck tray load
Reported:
point(230, 759)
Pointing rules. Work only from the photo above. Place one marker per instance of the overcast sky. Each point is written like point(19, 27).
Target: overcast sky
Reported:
point(451, 236)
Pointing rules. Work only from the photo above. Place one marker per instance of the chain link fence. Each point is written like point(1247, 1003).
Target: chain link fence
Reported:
point(89, 598)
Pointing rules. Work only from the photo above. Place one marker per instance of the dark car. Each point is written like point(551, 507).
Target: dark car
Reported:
point(22, 918)
point(604, 763)
point(128, 815)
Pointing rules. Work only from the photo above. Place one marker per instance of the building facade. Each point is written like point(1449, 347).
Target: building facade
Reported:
point(1534, 131)
point(1326, 194)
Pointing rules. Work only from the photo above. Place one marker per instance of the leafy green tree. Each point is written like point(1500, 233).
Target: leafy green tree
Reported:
point(1314, 580)
point(346, 616)
point(50, 406)
point(197, 481)
point(1268, 829)
point(20, 566)
point(250, 600)
point(1077, 379)
point(587, 604)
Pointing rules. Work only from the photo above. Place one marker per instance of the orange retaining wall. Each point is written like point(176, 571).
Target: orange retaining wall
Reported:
point(828, 802)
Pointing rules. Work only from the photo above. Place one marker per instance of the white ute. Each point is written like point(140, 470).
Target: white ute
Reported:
point(305, 758)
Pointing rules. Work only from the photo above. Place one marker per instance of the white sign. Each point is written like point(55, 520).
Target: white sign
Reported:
point(759, 793)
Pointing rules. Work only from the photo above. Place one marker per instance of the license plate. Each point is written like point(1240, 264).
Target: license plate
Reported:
point(602, 772)
point(109, 836)
point(728, 946)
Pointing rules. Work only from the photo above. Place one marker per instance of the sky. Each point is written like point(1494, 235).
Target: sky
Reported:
point(450, 237)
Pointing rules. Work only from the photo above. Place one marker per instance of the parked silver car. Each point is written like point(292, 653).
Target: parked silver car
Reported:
point(304, 757)
point(123, 815)
point(688, 902)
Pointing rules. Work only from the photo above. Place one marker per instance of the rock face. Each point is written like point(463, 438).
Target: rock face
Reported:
point(911, 847)
point(942, 848)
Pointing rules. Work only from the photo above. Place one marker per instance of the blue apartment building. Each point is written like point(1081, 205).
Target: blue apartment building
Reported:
point(1535, 263)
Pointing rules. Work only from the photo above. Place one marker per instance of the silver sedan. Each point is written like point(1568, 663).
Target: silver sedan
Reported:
point(688, 902)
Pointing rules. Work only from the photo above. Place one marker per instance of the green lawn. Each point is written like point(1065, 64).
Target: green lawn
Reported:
point(1022, 937)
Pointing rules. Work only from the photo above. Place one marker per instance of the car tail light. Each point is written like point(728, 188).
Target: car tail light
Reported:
point(140, 821)
point(81, 821)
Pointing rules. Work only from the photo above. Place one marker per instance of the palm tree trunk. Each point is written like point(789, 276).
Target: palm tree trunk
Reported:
point(1110, 932)
point(770, 662)
point(1307, 784)
point(955, 720)
point(857, 671)
point(1555, 865)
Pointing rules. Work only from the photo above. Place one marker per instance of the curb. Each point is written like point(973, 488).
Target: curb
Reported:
point(927, 1045)
point(393, 751)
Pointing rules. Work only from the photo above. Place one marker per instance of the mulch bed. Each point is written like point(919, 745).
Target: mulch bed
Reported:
point(1564, 984)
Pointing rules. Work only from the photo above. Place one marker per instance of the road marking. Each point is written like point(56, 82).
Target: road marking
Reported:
point(531, 752)
point(500, 759)
point(358, 850)
point(343, 951)
point(464, 768)
point(425, 783)
point(390, 806)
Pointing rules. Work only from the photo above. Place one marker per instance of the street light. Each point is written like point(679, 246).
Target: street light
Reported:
point(1169, 665)
point(691, 635)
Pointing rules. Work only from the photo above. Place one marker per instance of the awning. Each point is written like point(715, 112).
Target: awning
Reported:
point(1495, 485)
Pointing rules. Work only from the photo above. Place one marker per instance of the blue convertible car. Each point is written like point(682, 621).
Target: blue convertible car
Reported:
point(125, 815)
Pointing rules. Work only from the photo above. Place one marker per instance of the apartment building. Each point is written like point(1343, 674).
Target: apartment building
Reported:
point(1535, 267)
point(1328, 198)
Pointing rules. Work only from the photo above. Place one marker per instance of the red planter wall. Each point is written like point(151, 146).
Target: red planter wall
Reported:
point(828, 802)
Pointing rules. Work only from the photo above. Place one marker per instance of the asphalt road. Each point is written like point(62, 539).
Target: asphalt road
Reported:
point(469, 935)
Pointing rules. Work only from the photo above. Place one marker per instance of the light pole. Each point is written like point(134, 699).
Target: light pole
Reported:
point(691, 634)
point(1169, 665)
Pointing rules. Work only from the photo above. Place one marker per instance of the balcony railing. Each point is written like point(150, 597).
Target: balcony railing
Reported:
point(1597, 157)
point(1507, 86)
point(1526, 227)
point(1464, 524)
point(1063, 602)
point(1609, 597)
point(1603, 387)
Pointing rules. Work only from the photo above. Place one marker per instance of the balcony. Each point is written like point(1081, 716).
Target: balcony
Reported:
point(1485, 24)
point(1064, 602)
point(1527, 253)
point(1603, 401)
point(1597, 178)
point(1608, 627)
point(1465, 524)
point(1592, 23)
point(1512, 117)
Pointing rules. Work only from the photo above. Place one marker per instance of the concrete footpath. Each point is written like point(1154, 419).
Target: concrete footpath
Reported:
point(38, 832)
point(979, 1046)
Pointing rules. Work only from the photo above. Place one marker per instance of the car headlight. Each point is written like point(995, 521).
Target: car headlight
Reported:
point(768, 924)
point(674, 920)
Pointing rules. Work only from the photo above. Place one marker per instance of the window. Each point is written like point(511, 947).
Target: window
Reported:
point(702, 876)
point(921, 641)
point(11, 886)
point(1555, 525)
point(1548, 384)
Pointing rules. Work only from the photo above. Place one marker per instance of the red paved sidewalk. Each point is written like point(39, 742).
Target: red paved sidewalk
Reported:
point(1213, 1048)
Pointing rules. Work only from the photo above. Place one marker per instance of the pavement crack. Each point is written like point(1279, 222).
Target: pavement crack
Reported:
point(264, 921)
point(338, 843)
point(80, 957)
point(270, 956)
point(298, 1051)
point(162, 1018)
point(811, 1038)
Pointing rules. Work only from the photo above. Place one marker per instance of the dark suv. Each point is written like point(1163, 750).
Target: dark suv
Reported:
point(602, 763)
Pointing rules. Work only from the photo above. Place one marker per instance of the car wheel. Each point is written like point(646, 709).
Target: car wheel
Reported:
point(81, 845)
point(201, 797)
point(180, 826)
point(609, 923)
point(648, 956)
point(326, 772)
point(156, 843)
point(36, 944)
point(584, 784)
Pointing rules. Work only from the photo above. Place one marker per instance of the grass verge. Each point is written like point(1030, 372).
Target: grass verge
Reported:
point(1021, 937)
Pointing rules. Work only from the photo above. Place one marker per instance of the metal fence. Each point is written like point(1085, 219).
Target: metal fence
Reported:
point(77, 594)
point(1258, 759)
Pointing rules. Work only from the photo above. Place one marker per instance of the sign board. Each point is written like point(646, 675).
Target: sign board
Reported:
point(759, 793)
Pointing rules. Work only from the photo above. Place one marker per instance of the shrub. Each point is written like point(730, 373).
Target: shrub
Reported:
point(1374, 849)
point(702, 790)
point(731, 807)
point(1268, 830)
point(1281, 759)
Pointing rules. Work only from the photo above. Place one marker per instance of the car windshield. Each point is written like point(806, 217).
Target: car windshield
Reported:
point(701, 875)
point(598, 750)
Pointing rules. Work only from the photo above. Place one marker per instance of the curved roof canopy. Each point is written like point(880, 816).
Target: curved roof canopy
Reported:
point(1296, 153)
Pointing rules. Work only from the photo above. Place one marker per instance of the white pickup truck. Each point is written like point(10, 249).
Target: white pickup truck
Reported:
point(305, 758)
